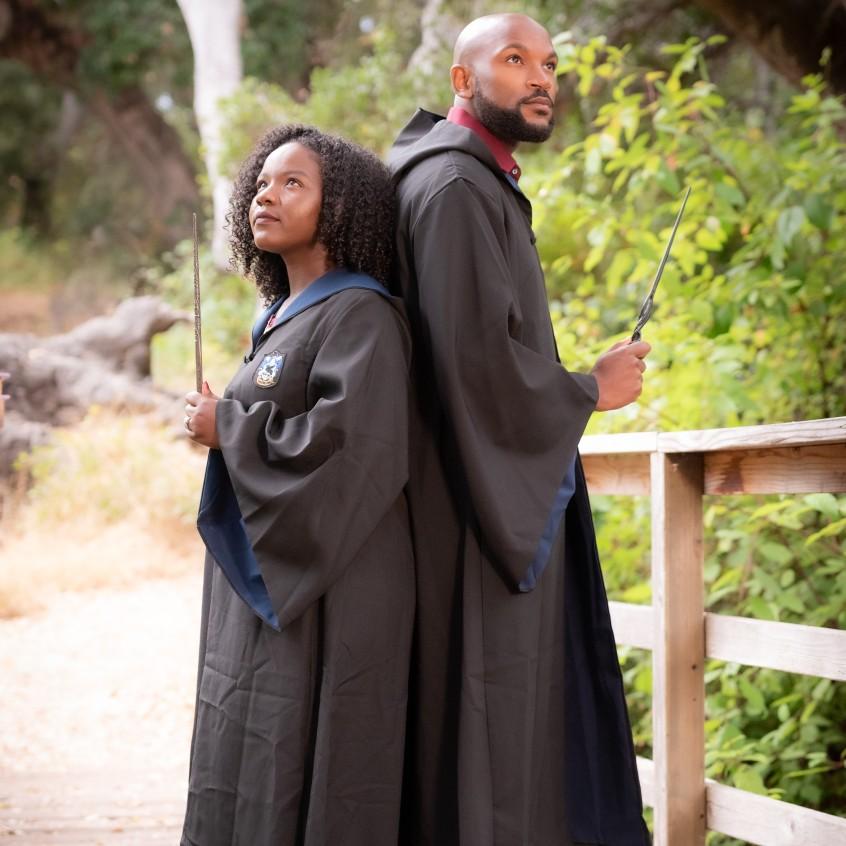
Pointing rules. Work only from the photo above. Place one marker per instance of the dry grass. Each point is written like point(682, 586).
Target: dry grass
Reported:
point(113, 502)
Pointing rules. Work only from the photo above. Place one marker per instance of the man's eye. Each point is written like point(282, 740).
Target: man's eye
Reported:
point(552, 66)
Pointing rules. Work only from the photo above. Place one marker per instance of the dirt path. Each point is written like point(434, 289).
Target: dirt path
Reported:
point(96, 705)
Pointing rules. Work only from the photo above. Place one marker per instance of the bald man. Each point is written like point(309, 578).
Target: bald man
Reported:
point(518, 731)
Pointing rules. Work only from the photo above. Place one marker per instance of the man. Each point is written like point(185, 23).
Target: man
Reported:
point(518, 729)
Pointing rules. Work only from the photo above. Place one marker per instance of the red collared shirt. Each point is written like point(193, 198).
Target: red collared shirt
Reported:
point(500, 151)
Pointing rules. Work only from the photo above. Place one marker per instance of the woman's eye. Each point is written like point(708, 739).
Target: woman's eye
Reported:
point(260, 184)
point(293, 181)
point(552, 66)
point(515, 59)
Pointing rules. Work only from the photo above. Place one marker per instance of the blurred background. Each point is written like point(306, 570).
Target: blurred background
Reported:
point(120, 119)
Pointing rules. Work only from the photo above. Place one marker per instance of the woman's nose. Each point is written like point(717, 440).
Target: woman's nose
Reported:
point(263, 196)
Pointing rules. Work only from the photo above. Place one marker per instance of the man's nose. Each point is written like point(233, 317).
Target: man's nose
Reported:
point(542, 78)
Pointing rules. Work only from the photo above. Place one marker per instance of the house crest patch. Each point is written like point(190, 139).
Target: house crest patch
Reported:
point(270, 369)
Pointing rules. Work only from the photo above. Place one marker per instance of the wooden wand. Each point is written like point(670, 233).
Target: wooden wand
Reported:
point(198, 335)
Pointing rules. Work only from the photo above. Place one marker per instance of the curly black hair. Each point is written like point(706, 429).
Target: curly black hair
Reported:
point(356, 220)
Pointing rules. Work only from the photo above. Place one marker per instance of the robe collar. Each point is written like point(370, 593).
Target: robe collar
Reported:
point(332, 282)
point(498, 148)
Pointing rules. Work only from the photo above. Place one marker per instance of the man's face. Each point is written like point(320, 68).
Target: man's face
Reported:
point(516, 84)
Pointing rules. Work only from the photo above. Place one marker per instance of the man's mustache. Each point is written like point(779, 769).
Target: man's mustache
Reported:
point(538, 95)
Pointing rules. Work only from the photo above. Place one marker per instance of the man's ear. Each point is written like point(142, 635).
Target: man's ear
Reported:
point(463, 83)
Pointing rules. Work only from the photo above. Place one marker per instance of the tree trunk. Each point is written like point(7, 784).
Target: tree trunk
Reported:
point(215, 30)
point(438, 31)
point(155, 152)
point(790, 34)
point(105, 361)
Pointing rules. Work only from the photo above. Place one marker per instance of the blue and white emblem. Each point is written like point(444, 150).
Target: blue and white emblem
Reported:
point(270, 369)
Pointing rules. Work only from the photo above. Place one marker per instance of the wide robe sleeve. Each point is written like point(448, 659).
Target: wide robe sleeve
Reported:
point(312, 487)
point(516, 415)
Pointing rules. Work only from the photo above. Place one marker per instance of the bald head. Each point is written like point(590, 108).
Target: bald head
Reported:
point(503, 74)
point(482, 34)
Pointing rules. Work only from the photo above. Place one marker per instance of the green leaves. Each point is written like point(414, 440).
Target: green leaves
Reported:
point(750, 326)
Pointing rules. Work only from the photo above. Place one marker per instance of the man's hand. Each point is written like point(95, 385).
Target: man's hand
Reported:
point(200, 412)
point(619, 374)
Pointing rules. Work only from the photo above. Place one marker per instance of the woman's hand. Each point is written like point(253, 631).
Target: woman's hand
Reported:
point(200, 412)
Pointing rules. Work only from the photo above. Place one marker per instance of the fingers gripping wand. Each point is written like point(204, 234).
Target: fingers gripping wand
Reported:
point(198, 335)
point(649, 302)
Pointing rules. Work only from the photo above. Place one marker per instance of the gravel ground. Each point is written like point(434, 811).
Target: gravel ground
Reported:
point(101, 680)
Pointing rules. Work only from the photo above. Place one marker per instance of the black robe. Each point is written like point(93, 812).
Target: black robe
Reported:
point(519, 734)
point(309, 588)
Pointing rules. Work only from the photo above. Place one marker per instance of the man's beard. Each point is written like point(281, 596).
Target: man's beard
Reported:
point(509, 125)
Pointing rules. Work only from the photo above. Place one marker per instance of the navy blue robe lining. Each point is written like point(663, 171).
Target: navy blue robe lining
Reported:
point(559, 505)
point(219, 520)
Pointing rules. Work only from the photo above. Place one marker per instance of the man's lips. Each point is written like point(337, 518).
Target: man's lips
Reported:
point(539, 102)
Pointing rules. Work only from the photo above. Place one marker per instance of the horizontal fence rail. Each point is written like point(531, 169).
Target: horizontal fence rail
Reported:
point(677, 469)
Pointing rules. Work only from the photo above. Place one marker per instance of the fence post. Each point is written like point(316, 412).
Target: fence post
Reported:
point(678, 602)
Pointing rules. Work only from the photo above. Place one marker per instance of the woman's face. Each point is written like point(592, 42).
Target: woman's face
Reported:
point(285, 209)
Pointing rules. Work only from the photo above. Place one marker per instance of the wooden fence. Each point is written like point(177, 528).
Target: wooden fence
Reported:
point(677, 469)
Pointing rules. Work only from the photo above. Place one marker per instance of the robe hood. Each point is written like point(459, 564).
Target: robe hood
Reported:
point(428, 134)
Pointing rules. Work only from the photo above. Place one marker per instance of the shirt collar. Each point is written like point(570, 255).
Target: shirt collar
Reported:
point(499, 150)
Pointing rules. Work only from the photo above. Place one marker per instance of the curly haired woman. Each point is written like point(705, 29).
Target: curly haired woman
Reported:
point(309, 586)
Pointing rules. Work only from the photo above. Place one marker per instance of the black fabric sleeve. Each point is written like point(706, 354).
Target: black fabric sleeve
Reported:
point(312, 487)
point(516, 416)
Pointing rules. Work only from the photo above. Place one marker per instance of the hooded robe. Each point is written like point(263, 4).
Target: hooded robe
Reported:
point(309, 589)
point(518, 733)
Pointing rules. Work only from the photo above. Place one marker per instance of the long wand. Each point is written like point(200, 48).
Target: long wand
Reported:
point(198, 334)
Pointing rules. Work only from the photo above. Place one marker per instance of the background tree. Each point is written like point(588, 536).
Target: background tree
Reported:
point(88, 61)
point(792, 35)
point(215, 31)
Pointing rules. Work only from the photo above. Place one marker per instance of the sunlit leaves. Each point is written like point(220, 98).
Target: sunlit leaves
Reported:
point(749, 327)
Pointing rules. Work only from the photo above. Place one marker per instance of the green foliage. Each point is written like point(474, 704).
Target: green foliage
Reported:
point(132, 43)
point(749, 328)
point(229, 305)
point(19, 260)
point(753, 286)
point(367, 102)
point(28, 108)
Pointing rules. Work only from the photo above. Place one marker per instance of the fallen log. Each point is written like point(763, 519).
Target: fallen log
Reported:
point(104, 362)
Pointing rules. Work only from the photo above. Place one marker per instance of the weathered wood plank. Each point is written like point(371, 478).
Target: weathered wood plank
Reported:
point(127, 808)
point(617, 444)
point(161, 833)
point(678, 685)
point(789, 647)
point(769, 822)
point(622, 473)
point(632, 624)
point(646, 776)
point(756, 819)
point(804, 433)
point(811, 469)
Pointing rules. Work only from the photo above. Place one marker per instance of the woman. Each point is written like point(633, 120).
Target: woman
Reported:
point(308, 597)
